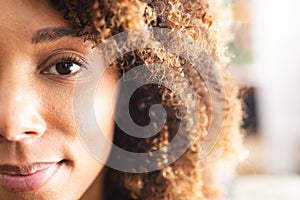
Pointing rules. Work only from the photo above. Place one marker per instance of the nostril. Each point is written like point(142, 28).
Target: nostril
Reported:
point(30, 133)
point(12, 137)
point(2, 137)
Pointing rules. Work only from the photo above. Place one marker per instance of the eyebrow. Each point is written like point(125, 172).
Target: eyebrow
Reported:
point(52, 34)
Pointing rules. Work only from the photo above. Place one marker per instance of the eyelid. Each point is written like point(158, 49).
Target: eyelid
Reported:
point(62, 56)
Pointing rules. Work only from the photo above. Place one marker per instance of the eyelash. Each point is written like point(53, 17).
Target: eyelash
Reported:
point(72, 58)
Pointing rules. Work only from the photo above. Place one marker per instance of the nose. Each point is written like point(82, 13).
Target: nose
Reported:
point(20, 119)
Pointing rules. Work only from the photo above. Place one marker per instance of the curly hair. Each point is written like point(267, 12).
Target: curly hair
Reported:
point(189, 177)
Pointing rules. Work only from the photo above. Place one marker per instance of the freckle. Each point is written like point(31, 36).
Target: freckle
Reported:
point(53, 108)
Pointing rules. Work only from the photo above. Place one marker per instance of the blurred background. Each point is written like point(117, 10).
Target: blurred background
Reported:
point(266, 64)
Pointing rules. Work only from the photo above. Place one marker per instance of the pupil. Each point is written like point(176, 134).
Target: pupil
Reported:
point(64, 68)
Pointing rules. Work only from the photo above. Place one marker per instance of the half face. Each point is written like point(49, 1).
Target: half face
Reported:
point(41, 155)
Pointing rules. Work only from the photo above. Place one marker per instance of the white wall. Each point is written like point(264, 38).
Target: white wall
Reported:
point(276, 73)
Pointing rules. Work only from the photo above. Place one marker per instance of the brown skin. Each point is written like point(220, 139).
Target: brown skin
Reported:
point(36, 123)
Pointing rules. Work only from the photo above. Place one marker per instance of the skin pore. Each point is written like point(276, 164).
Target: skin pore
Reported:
point(39, 58)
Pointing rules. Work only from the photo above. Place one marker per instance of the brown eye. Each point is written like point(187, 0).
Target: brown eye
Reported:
point(64, 68)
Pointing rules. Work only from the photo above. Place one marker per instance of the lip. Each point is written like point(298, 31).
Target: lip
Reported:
point(27, 177)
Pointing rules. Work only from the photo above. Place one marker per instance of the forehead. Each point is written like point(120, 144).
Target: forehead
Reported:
point(21, 18)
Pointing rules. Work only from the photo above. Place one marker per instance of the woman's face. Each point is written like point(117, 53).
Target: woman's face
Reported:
point(41, 155)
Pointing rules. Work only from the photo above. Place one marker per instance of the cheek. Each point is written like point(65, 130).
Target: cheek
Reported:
point(71, 133)
point(104, 103)
point(93, 115)
point(57, 110)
